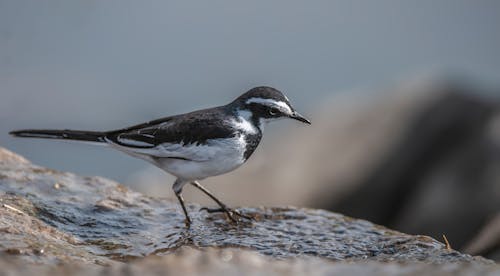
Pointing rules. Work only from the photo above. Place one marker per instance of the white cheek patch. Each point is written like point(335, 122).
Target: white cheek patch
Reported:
point(284, 107)
point(244, 123)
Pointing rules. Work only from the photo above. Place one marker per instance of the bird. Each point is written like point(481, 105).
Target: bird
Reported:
point(196, 145)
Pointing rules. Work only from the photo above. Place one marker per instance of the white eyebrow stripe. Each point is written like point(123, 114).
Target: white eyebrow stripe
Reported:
point(270, 102)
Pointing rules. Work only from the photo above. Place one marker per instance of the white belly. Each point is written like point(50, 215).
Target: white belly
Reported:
point(193, 162)
point(197, 170)
point(216, 157)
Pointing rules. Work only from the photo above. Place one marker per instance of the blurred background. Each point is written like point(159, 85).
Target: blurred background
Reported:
point(403, 96)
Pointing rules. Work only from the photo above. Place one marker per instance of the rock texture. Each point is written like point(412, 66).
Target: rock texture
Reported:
point(50, 217)
point(188, 261)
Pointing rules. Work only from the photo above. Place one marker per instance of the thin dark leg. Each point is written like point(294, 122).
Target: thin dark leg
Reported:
point(208, 193)
point(178, 190)
point(223, 208)
point(181, 201)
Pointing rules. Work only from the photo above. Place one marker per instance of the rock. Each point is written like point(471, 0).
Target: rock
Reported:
point(91, 222)
point(439, 175)
point(216, 261)
point(487, 241)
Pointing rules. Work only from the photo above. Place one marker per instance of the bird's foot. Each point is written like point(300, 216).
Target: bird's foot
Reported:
point(187, 221)
point(230, 213)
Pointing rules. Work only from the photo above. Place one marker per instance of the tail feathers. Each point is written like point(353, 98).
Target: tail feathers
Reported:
point(79, 135)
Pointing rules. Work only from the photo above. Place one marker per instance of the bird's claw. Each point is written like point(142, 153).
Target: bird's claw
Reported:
point(230, 213)
point(187, 221)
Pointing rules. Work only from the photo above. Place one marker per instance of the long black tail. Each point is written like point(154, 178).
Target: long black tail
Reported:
point(66, 134)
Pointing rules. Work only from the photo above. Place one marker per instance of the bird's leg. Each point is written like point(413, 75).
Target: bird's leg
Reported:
point(223, 208)
point(178, 190)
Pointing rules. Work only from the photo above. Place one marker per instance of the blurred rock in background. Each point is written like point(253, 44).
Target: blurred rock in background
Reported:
point(441, 175)
point(487, 241)
point(422, 157)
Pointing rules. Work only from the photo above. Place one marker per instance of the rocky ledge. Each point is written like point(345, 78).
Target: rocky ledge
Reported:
point(57, 218)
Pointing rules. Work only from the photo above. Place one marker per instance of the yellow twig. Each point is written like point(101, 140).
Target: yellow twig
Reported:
point(448, 246)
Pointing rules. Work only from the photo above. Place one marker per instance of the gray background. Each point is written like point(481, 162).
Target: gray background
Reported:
point(106, 64)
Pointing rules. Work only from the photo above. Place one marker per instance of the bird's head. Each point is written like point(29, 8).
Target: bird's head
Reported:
point(262, 104)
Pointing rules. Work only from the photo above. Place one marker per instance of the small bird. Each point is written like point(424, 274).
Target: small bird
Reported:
point(195, 145)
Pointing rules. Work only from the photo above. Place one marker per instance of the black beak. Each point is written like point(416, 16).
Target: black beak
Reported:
point(299, 117)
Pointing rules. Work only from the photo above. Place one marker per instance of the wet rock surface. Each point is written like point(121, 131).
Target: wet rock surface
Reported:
point(52, 217)
point(188, 261)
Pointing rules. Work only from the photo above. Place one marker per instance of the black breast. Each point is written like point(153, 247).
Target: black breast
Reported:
point(252, 141)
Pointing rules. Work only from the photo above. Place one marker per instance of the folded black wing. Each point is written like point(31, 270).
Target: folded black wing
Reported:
point(191, 128)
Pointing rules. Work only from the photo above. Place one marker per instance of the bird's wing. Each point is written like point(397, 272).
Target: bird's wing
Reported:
point(187, 136)
point(191, 152)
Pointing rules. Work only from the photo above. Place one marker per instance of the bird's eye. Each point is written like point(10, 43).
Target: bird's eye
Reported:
point(273, 111)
